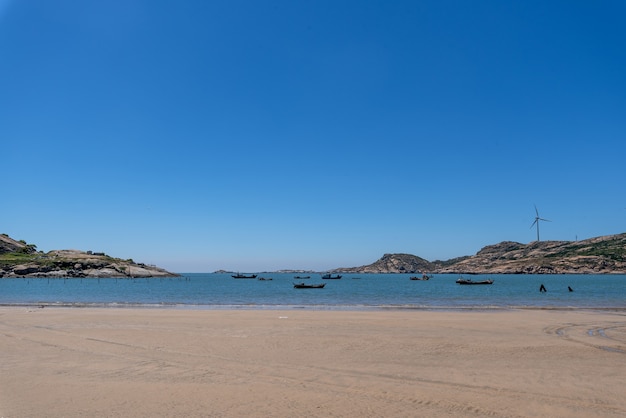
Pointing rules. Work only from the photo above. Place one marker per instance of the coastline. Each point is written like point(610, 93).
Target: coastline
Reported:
point(312, 308)
point(187, 362)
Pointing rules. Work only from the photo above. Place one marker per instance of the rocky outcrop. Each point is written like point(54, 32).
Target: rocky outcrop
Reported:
point(600, 255)
point(18, 259)
point(9, 245)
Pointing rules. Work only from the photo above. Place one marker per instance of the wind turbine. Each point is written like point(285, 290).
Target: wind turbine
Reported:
point(537, 219)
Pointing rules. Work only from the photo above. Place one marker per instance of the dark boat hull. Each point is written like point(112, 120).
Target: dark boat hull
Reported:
point(331, 277)
point(308, 286)
point(243, 276)
point(471, 282)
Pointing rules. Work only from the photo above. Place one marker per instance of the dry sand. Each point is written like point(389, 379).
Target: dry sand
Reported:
point(60, 362)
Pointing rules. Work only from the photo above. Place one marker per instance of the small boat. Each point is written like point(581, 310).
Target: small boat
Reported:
point(470, 281)
point(329, 276)
point(424, 277)
point(244, 276)
point(308, 286)
point(265, 278)
point(301, 277)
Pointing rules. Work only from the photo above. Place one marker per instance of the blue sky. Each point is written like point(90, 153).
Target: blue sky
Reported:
point(264, 135)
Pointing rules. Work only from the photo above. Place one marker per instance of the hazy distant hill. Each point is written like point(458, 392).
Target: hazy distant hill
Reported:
point(601, 255)
point(19, 259)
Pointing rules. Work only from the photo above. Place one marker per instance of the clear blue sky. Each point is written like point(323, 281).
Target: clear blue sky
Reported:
point(262, 135)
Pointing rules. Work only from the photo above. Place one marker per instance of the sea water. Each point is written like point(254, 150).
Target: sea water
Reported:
point(351, 292)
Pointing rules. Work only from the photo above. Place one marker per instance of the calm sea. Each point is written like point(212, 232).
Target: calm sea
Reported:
point(351, 292)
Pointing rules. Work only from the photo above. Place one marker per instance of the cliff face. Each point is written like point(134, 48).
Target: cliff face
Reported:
point(601, 255)
point(18, 259)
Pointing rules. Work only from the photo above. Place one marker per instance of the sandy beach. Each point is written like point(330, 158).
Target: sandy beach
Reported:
point(64, 362)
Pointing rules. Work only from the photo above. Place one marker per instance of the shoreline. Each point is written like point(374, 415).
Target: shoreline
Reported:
point(312, 308)
point(229, 363)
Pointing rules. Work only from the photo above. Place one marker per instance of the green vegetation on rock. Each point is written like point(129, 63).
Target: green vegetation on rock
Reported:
point(20, 259)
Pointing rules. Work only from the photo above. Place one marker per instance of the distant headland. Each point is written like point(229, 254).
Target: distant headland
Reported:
point(600, 255)
point(20, 259)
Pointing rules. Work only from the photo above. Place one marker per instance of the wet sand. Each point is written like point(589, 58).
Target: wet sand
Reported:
point(75, 362)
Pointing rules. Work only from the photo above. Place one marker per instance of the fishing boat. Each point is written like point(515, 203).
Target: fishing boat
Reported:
point(244, 276)
point(308, 286)
point(329, 276)
point(424, 277)
point(470, 281)
point(301, 277)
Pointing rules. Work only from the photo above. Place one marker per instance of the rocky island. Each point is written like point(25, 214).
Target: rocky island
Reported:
point(19, 259)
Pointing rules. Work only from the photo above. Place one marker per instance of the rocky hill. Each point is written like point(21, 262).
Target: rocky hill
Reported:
point(19, 259)
point(601, 255)
point(392, 263)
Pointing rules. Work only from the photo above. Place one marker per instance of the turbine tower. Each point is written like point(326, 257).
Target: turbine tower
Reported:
point(537, 219)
